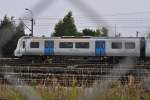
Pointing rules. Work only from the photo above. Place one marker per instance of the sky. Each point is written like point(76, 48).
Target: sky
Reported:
point(119, 16)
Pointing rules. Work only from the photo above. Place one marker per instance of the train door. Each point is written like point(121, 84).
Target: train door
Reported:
point(49, 47)
point(100, 48)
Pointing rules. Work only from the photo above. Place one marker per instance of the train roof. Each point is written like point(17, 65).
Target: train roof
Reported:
point(77, 37)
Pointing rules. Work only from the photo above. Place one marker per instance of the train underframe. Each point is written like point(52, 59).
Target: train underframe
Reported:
point(83, 59)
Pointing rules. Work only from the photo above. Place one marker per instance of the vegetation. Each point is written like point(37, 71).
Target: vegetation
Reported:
point(120, 92)
point(125, 93)
point(67, 27)
point(98, 32)
point(9, 35)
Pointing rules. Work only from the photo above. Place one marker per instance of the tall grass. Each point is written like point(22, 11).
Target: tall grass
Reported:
point(57, 92)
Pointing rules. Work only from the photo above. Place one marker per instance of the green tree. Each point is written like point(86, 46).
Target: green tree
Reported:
point(10, 33)
point(104, 31)
point(88, 32)
point(7, 30)
point(65, 27)
point(20, 30)
point(98, 32)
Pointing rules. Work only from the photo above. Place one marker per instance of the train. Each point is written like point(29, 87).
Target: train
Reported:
point(84, 46)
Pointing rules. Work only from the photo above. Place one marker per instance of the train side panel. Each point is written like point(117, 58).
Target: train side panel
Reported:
point(73, 49)
point(82, 46)
point(34, 47)
point(123, 47)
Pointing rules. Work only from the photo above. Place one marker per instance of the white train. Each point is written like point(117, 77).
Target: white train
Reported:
point(83, 46)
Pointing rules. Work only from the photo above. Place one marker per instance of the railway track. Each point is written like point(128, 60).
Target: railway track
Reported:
point(32, 73)
point(79, 73)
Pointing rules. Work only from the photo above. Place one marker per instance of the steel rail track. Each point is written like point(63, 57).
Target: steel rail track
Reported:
point(62, 71)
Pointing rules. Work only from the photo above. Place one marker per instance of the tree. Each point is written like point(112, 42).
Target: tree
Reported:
point(88, 32)
point(10, 33)
point(20, 30)
point(98, 32)
point(66, 27)
point(104, 31)
point(7, 30)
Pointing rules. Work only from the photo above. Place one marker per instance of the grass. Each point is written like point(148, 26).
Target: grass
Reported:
point(118, 92)
point(8, 92)
point(125, 93)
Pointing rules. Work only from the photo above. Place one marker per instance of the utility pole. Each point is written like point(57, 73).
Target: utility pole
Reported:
point(137, 33)
point(115, 30)
point(32, 21)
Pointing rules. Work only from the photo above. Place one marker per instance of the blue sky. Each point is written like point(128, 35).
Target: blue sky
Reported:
point(127, 15)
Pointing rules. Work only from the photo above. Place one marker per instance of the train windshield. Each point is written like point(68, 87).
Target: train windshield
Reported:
point(23, 44)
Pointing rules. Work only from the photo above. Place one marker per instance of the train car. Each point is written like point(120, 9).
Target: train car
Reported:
point(120, 46)
point(55, 46)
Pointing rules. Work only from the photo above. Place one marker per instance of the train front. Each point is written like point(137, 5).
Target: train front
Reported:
point(20, 47)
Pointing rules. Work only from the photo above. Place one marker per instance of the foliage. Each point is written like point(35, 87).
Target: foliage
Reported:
point(9, 93)
point(9, 35)
point(7, 29)
point(66, 27)
point(124, 92)
point(104, 31)
point(98, 32)
point(88, 32)
point(73, 93)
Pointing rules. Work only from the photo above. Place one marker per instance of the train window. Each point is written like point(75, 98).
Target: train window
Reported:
point(65, 45)
point(23, 44)
point(34, 45)
point(130, 45)
point(83, 45)
point(116, 45)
